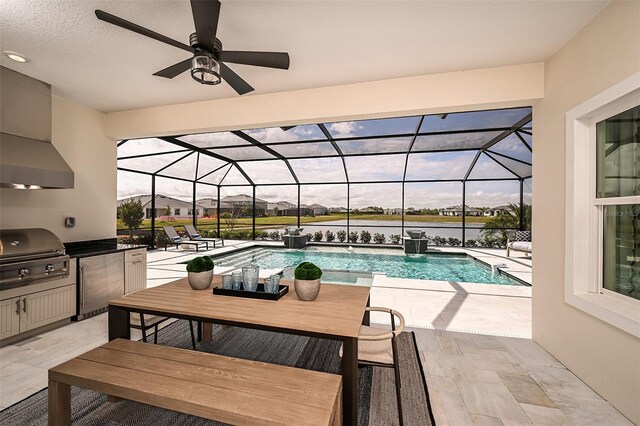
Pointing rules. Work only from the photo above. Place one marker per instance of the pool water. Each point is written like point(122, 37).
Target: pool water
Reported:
point(460, 268)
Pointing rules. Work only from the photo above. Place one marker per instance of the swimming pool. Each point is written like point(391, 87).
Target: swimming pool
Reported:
point(441, 267)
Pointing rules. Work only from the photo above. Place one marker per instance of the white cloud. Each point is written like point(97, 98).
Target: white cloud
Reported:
point(344, 129)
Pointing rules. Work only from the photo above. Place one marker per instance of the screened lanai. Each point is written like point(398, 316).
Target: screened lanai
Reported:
point(282, 176)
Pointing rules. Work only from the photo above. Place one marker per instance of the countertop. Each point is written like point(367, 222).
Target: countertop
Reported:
point(97, 247)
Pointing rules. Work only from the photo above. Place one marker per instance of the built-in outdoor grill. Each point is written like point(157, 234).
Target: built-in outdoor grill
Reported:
point(30, 255)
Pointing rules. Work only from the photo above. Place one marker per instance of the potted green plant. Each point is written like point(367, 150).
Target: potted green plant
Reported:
point(307, 281)
point(200, 272)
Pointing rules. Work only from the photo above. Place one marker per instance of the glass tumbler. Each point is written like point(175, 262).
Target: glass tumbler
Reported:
point(227, 282)
point(250, 277)
point(236, 280)
point(267, 285)
point(275, 280)
point(270, 285)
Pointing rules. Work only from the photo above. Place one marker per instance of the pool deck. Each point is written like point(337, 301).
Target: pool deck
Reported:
point(497, 310)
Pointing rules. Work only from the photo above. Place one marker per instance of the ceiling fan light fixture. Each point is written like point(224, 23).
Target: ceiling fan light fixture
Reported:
point(205, 69)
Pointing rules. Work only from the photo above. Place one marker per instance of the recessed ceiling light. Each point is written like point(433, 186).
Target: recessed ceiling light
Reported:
point(15, 56)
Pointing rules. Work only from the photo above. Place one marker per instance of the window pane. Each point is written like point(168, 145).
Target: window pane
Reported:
point(278, 134)
point(173, 199)
point(387, 126)
point(216, 176)
point(234, 177)
point(265, 172)
point(241, 153)
point(319, 169)
point(519, 168)
point(316, 201)
point(622, 249)
point(208, 164)
point(304, 149)
point(513, 147)
point(146, 146)
point(185, 168)
point(618, 155)
point(499, 118)
point(424, 204)
point(376, 168)
point(211, 140)
point(369, 146)
point(282, 207)
point(452, 141)
point(441, 165)
point(497, 204)
point(207, 202)
point(151, 164)
point(486, 168)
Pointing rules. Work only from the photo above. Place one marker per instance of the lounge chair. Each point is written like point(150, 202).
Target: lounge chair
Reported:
point(194, 235)
point(175, 239)
point(521, 242)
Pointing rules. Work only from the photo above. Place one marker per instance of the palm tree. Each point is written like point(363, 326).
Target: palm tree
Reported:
point(495, 227)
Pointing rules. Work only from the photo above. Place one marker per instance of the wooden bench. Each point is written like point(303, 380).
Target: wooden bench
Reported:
point(215, 387)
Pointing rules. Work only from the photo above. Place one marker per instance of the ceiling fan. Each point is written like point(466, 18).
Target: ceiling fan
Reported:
point(208, 62)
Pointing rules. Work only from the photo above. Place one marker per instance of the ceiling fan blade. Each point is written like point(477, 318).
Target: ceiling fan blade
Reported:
point(123, 23)
point(174, 69)
point(234, 80)
point(205, 17)
point(259, 59)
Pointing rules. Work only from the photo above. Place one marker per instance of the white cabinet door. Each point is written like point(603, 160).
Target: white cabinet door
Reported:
point(135, 276)
point(48, 306)
point(9, 317)
point(135, 270)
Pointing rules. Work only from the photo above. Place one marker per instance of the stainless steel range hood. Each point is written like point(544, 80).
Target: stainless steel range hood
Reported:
point(28, 160)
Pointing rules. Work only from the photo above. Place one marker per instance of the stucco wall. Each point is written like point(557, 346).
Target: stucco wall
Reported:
point(518, 85)
point(79, 135)
point(604, 52)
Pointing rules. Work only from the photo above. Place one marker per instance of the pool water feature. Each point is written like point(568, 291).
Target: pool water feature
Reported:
point(359, 266)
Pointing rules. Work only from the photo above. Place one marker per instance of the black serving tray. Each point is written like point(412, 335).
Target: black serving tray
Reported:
point(258, 294)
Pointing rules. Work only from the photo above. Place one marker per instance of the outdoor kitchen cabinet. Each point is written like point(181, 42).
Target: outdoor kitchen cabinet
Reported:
point(32, 306)
point(135, 270)
point(9, 317)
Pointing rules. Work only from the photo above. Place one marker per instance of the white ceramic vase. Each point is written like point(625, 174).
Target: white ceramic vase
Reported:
point(200, 280)
point(307, 290)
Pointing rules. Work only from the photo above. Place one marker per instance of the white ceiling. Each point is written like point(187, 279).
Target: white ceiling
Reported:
point(330, 43)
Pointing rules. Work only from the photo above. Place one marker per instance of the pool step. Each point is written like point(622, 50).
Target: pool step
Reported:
point(365, 282)
point(244, 258)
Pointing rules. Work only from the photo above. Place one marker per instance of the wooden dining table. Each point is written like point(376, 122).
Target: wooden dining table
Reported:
point(336, 314)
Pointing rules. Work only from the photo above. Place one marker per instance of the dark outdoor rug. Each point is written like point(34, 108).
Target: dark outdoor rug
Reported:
point(377, 403)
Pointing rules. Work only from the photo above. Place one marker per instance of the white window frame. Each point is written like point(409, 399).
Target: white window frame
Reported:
point(583, 212)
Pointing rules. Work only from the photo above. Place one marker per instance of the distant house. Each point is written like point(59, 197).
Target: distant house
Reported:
point(457, 211)
point(282, 208)
point(318, 209)
point(241, 204)
point(338, 210)
point(497, 211)
point(394, 211)
point(165, 206)
point(209, 206)
point(369, 210)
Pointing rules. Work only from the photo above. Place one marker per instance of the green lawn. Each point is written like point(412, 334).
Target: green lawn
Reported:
point(292, 220)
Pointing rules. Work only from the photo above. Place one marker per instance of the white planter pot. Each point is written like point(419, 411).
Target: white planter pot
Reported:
point(200, 280)
point(307, 290)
